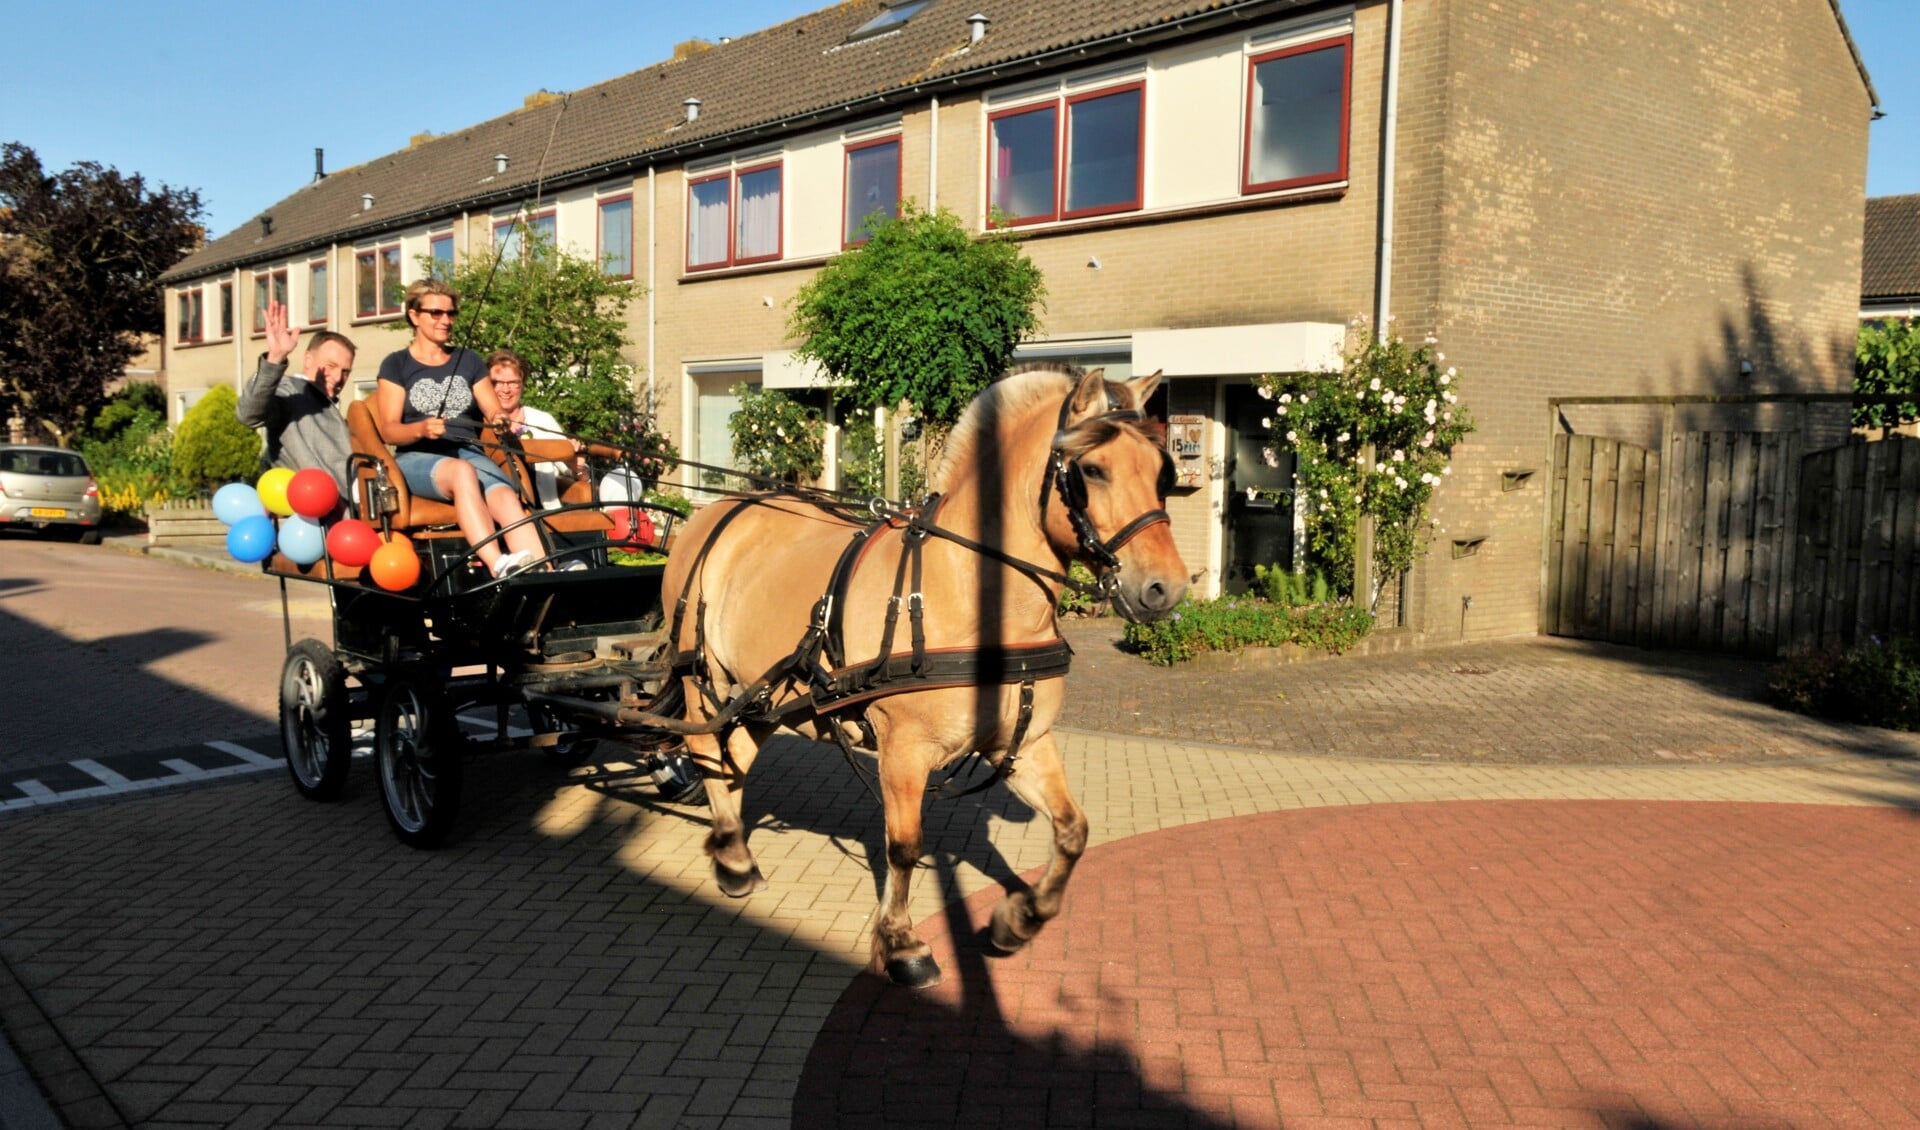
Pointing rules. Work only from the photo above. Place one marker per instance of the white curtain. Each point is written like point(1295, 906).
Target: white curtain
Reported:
point(759, 232)
point(707, 228)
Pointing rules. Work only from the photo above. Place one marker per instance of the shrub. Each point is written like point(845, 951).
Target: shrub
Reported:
point(1236, 622)
point(1874, 684)
point(212, 446)
point(776, 436)
point(1075, 603)
point(130, 450)
point(1292, 589)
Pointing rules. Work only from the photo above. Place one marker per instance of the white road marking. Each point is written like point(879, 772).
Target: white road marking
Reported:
point(96, 770)
point(246, 755)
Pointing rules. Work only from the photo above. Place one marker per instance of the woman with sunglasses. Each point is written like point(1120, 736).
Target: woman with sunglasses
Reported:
point(431, 403)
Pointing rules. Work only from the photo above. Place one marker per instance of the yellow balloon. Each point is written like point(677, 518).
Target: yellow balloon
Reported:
point(273, 490)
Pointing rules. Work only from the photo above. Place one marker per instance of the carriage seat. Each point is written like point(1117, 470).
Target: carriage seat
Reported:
point(519, 469)
point(415, 515)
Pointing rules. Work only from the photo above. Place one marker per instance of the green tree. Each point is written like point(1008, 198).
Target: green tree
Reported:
point(566, 316)
point(1886, 360)
point(80, 255)
point(212, 447)
point(923, 312)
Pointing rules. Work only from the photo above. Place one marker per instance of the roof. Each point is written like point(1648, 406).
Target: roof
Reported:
point(799, 75)
point(1890, 260)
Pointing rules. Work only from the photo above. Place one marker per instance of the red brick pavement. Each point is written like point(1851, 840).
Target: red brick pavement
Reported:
point(1552, 963)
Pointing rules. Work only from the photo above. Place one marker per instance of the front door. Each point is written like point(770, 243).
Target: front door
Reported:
point(1260, 528)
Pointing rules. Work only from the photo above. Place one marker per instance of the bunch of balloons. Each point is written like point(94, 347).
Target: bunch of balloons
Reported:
point(304, 500)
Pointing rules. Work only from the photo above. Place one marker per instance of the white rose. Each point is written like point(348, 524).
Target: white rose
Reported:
point(1293, 437)
point(1374, 383)
point(1266, 421)
point(1343, 437)
point(1400, 482)
point(1399, 456)
point(1286, 398)
point(1282, 409)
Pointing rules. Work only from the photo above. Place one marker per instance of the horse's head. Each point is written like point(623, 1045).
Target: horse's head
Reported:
point(1108, 481)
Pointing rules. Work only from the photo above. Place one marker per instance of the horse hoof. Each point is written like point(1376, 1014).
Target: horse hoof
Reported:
point(735, 885)
point(1004, 939)
point(917, 972)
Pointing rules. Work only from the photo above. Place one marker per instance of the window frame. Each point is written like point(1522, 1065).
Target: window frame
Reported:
point(732, 174)
point(258, 326)
point(229, 313)
point(434, 240)
point(325, 268)
point(600, 232)
point(1344, 42)
point(529, 219)
point(376, 254)
point(1051, 103)
point(190, 298)
point(846, 182)
point(1065, 143)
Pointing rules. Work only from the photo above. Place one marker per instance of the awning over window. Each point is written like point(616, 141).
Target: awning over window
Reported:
point(783, 369)
point(1220, 351)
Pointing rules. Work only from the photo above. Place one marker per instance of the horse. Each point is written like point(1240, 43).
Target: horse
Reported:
point(1045, 467)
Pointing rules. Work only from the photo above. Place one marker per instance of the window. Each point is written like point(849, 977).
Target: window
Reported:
point(268, 284)
point(376, 281)
point(1099, 168)
point(892, 16)
point(733, 218)
point(873, 186)
point(440, 250)
point(226, 309)
point(616, 236)
point(1297, 105)
point(507, 232)
point(316, 292)
point(189, 315)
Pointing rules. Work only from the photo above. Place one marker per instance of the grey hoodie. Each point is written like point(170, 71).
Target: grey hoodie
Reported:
point(304, 428)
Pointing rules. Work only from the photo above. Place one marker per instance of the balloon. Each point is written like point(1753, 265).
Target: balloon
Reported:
point(351, 542)
point(236, 501)
point(395, 565)
point(312, 493)
point(273, 490)
point(302, 540)
point(251, 538)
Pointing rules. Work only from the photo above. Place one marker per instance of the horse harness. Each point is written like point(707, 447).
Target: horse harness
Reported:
point(833, 685)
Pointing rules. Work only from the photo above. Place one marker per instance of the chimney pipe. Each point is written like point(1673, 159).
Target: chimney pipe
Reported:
point(266, 226)
point(499, 163)
point(977, 27)
point(319, 164)
point(366, 202)
point(693, 109)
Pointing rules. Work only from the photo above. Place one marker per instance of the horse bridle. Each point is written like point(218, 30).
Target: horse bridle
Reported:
point(1070, 480)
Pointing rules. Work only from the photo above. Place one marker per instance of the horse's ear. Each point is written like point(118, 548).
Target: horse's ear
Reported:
point(1089, 397)
point(1143, 388)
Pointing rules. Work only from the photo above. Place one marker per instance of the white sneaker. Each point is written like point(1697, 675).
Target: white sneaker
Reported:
point(511, 563)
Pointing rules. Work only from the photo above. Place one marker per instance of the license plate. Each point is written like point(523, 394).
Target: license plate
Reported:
point(47, 512)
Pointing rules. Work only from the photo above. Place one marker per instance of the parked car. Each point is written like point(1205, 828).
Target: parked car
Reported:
point(50, 490)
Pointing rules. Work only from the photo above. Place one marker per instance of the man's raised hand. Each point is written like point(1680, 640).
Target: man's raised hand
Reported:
point(281, 337)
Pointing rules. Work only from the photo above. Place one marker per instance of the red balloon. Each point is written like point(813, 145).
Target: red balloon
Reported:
point(351, 542)
point(395, 565)
point(312, 493)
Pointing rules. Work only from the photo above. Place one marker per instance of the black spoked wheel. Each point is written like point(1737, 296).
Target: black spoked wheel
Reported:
point(314, 721)
point(416, 744)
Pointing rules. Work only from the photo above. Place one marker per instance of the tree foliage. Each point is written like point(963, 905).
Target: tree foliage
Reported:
point(212, 447)
point(1886, 360)
point(776, 436)
point(80, 255)
point(922, 312)
point(562, 313)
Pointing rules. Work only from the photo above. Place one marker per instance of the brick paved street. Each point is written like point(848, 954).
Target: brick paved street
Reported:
point(233, 955)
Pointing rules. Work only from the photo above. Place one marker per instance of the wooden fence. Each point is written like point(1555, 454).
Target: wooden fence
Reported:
point(1732, 541)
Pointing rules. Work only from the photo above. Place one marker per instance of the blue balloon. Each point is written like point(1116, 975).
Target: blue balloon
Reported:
point(302, 540)
point(236, 501)
point(251, 538)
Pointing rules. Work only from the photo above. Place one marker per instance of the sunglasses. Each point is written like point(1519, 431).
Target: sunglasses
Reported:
point(442, 312)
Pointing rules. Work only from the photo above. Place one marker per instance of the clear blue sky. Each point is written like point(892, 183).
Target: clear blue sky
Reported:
point(232, 98)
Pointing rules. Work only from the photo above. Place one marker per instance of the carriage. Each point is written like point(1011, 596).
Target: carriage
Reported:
point(923, 635)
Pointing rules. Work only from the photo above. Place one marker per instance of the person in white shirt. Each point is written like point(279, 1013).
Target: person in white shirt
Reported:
point(508, 372)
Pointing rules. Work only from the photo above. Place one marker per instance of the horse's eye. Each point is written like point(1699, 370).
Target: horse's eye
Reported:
point(1094, 472)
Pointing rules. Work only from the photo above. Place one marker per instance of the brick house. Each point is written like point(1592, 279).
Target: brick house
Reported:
point(1629, 198)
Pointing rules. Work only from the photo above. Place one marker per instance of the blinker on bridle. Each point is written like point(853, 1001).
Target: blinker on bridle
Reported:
point(1066, 475)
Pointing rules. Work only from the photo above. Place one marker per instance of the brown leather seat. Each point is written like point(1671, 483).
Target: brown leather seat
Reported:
point(519, 469)
point(414, 514)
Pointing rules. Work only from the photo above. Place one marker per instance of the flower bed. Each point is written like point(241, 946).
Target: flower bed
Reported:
point(1235, 622)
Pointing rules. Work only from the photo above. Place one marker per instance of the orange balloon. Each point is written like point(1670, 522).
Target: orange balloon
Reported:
point(395, 565)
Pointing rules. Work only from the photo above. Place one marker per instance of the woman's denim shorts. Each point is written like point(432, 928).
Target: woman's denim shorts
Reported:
point(417, 468)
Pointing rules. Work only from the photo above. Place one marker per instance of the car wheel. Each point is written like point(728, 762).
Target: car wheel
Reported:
point(90, 537)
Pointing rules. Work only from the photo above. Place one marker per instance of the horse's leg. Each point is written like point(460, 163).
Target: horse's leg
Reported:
point(726, 771)
point(1040, 779)
point(897, 950)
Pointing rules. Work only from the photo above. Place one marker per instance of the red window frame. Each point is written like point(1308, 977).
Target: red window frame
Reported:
point(325, 291)
point(531, 218)
point(190, 299)
point(780, 218)
point(846, 163)
point(395, 286)
point(258, 325)
point(228, 312)
point(599, 231)
point(1345, 44)
point(377, 257)
point(1030, 108)
point(1064, 143)
point(727, 259)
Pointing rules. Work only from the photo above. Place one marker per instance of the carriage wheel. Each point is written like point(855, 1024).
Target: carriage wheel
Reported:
point(314, 721)
point(416, 744)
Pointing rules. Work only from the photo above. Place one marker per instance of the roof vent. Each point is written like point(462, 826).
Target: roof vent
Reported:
point(693, 109)
point(319, 164)
point(499, 163)
point(977, 27)
point(266, 226)
point(366, 202)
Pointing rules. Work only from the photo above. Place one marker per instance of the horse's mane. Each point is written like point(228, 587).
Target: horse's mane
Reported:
point(1022, 388)
point(1019, 390)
